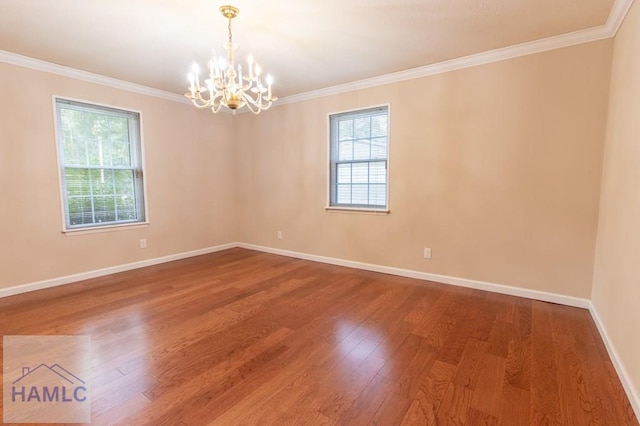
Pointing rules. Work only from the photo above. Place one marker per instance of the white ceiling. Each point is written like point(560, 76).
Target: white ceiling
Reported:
point(305, 44)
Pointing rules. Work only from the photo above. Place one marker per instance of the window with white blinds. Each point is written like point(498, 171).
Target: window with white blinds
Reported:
point(100, 165)
point(359, 149)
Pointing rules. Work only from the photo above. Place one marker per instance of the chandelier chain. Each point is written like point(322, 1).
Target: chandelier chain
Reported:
point(230, 34)
point(230, 43)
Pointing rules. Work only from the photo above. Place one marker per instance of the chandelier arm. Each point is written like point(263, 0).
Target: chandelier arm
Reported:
point(217, 108)
point(262, 102)
point(255, 102)
point(199, 101)
point(257, 109)
point(265, 103)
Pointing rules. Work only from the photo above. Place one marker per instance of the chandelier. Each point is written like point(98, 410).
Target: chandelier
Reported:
point(227, 86)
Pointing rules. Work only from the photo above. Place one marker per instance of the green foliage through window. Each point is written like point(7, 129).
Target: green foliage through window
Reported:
point(100, 164)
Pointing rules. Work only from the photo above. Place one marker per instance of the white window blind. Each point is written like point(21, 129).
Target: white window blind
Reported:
point(100, 165)
point(359, 153)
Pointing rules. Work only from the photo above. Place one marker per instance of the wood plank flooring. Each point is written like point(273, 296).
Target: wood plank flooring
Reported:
point(242, 337)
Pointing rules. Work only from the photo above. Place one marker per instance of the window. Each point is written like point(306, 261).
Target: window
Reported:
point(359, 149)
point(100, 165)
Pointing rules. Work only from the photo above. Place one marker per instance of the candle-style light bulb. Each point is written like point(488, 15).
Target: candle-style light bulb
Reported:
point(210, 87)
point(192, 79)
point(250, 61)
point(196, 73)
point(223, 66)
point(269, 83)
point(216, 67)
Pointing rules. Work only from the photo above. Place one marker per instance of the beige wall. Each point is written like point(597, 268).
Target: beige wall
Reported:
point(496, 168)
point(616, 288)
point(188, 168)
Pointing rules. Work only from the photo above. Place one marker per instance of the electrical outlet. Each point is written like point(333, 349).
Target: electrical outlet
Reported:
point(279, 234)
point(427, 253)
point(143, 243)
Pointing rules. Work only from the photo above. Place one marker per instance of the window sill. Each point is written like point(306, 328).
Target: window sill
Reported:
point(106, 228)
point(357, 210)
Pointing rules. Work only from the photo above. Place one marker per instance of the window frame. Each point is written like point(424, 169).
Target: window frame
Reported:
point(332, 205)
point(137, 165)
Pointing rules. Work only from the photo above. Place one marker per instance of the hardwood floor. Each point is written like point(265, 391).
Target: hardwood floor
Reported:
point(242, 337)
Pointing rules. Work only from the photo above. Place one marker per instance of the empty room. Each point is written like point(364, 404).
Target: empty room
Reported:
point(339, 212)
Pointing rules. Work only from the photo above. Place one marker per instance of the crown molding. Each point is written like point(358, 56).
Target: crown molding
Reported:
point(608, 30)
point(51, 68)
point(616, 16)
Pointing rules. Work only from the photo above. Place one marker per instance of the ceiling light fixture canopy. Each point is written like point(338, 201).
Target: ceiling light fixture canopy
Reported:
point(227, 86)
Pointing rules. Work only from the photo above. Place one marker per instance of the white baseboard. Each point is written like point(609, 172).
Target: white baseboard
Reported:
point(627, 384)
point(461, 282)
point(54, 282)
